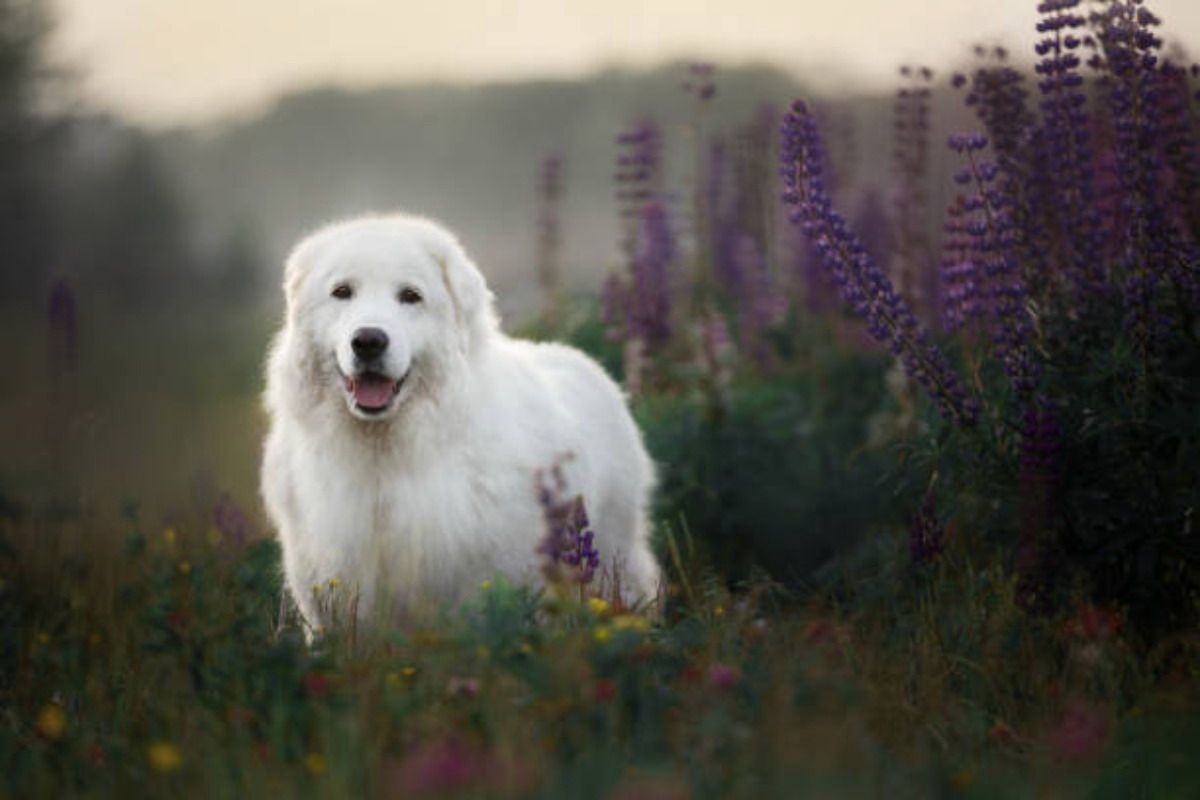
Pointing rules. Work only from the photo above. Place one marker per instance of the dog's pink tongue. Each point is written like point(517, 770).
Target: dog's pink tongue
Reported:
point(373, 391)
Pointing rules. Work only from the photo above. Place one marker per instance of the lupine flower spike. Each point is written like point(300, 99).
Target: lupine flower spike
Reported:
point(861, 282)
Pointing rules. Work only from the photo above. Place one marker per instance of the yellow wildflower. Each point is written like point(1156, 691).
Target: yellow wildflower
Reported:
point(602, 633)
point(631, 622)
point(51, 722)
point(719, 611)
point(408, 672)
point(334, 583)
point(169, 536)
point(163, 757)
point(526, 648)
point(185, 567)
point(597, 605)
point(393, 679)
point(315, 763)
point(485, 585)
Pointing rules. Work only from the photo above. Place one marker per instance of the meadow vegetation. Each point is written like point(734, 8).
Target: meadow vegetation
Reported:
point(926, 505)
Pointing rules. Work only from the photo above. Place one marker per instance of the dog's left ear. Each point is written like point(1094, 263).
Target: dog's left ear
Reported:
point(465, 283)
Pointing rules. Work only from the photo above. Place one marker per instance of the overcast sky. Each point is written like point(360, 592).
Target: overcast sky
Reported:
point(169, 61)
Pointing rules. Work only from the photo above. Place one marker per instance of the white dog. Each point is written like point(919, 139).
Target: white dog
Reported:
point(408, 433)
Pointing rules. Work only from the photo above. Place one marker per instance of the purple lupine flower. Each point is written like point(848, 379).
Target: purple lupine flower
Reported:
point(638, 307)
point(1065, 161)
point(910, 159)
point(549, 243)
point(638, 177)
point(739, 204)
point(1180, 148)
point(989, 239)
point(927, 535)
point(961, 280)
point(701, 81)
point(1151, 250)
point(861, 283)
point(999, 97)
point(736, 211)
point(568, 546)
point(649, 306)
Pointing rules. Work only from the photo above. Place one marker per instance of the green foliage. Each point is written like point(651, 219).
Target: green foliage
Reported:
point(775, 473)
point(164, 665)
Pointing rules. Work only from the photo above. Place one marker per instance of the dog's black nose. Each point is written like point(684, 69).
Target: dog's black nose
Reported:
point(369, 343)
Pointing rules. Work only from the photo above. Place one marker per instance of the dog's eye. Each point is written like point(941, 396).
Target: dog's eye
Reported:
point(408, 296)
point(342, 291)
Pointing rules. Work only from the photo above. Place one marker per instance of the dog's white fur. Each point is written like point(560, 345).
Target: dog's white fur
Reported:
point(414, 507)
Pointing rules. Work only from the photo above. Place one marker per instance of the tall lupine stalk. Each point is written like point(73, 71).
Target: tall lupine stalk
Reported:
point(638, 307)
point(740, 210)
point(805, 266)
point(638, 177)
point(1179, 146)
point(962, 286)
point(753, 171)
point(861, 282)
point(992, 266)
point(997, 92)
point(1065, 158)
point(910, 157)
point(701, 85)
point(1152, 252)
point(549, 243)
point(721, 223)
point(650, 308)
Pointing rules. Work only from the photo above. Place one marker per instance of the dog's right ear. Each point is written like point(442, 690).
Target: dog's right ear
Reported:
point(465, 284)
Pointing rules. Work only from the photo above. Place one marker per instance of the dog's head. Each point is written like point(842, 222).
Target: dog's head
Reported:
point(381, 309)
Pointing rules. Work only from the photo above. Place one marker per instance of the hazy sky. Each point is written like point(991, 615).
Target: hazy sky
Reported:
point(166, 61)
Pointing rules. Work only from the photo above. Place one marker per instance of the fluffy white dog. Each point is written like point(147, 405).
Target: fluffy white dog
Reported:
point(408, 433)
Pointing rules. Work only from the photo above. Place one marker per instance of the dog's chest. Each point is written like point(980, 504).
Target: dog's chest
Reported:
point(419, 531)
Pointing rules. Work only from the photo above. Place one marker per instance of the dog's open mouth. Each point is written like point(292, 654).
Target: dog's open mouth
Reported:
point(373, 392)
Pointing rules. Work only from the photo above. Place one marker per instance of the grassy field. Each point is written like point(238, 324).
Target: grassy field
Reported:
point(144, 650)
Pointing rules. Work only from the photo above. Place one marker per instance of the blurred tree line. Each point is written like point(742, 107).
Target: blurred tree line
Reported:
point(85, 201)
